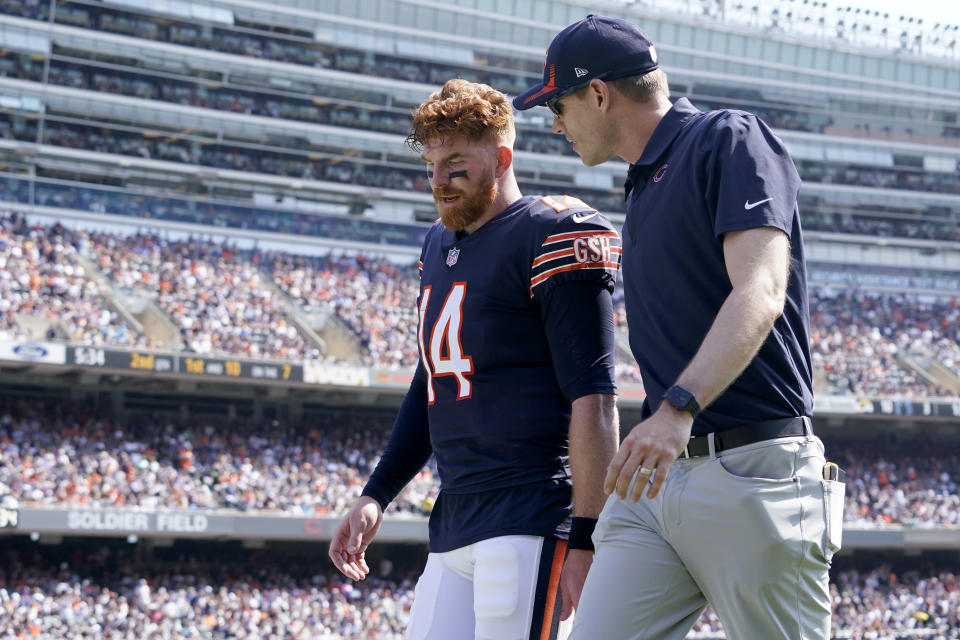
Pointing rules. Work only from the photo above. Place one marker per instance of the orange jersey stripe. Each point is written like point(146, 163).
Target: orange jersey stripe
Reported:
point(561, 253)
point(553, 255)
point(560, 237)
point(570, 267)
point(559, 553)
point(540, 279)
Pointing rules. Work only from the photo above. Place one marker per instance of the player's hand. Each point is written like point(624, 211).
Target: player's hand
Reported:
point(352, 537)
point(653, 444)
point(572, 577)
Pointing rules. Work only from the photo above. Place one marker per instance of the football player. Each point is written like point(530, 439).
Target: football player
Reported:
point(514, 392)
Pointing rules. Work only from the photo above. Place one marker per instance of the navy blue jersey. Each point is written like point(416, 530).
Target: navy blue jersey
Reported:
point(700, 176)
point(497, 374)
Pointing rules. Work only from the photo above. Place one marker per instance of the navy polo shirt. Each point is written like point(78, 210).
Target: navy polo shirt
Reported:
point(702, 175)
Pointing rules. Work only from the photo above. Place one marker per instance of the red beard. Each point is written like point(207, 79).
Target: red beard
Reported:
point(469, 209)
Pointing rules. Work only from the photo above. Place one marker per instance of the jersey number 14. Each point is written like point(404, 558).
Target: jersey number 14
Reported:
point(444, 356)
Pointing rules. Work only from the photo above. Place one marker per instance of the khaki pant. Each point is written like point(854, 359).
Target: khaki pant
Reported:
point(751, 531)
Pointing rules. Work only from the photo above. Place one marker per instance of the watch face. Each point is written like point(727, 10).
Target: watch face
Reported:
point(682, 399)
point(679, 397)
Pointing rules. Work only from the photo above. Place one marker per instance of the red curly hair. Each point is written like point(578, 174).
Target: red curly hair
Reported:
point(477, 112)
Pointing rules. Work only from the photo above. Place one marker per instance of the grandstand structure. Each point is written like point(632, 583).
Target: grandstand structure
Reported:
point(209, 225)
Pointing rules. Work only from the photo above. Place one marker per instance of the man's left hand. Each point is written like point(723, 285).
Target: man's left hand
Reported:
point(574, 573)
point(652, 446)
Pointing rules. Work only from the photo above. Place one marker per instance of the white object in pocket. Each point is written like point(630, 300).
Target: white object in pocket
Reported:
point(833, 493)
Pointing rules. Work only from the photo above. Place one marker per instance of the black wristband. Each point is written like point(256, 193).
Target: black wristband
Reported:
point(580, 531)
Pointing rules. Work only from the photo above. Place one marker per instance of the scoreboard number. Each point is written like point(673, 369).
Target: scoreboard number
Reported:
point(445, 357)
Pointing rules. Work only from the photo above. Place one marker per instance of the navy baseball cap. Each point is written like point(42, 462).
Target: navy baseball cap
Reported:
point(595, 46)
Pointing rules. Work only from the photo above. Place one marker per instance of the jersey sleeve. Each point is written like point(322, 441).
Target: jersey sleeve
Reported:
point(581, 246)
point(578, 320)
point(408, 447)
point(754, 182)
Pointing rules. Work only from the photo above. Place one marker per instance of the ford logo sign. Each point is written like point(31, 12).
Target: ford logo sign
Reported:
point(31, 351)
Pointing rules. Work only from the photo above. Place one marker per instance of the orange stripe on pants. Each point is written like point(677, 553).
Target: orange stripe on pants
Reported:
point(559, 553)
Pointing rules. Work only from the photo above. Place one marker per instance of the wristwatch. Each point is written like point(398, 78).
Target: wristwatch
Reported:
point(682, 399)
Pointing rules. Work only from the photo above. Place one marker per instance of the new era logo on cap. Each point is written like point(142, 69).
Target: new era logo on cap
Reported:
point(615, 48)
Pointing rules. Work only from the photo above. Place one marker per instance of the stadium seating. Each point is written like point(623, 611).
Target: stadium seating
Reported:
point(219, 299)
point(68, 455)
point(85, 594)
point(88, 596)
point(45, 286)
point(871, 165)
point(372, 295)
point(65, 456)
point(857, 336)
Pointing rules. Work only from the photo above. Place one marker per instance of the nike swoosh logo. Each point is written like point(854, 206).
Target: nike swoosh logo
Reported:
point(750, 205)
point(580, 217)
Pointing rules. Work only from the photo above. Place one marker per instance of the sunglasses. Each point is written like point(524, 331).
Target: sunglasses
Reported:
point(554, 103)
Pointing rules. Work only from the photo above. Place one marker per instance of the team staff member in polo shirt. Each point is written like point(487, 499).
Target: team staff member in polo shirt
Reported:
point(723, 495)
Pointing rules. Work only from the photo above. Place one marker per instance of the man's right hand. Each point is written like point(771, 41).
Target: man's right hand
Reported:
point(352, 537)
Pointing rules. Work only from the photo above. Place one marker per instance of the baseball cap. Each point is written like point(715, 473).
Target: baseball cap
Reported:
point(595, 46)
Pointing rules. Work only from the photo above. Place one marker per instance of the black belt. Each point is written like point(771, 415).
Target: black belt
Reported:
point(747, 434)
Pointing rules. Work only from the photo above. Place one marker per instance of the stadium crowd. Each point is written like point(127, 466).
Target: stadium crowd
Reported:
point(857, 337)
point(227, 301)
point(43, 276)
point(194, 598)
point(883, 605)
point(893, 484)
point(65, 455)
point(68, 455)
point(214, 295)
point(372, 295)
point(90, 596)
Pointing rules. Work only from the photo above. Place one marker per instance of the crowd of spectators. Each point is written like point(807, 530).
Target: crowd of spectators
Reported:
point(68, 455)
point(890, 483)
point(882, 604)
point(220, 299)
point(105, 593)
point(58, 453)
point(43, 276)
point(857, 337)
point(226, 301)
point(372, 295)
point(92, 595)
point(215, 295)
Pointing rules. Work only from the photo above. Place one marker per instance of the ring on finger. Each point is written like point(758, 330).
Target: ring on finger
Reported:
point(644, 471)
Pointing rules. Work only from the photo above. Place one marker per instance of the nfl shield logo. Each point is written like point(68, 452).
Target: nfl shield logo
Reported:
point(452, 257)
